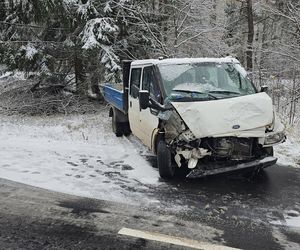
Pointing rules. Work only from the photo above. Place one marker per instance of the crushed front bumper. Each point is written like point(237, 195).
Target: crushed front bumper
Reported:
point(261, 163)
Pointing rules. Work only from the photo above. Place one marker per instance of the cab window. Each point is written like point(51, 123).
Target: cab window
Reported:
point(149, 83)
point(135, 82)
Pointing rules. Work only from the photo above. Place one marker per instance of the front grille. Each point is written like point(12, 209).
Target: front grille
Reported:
point(242, 148)
point(231, 148)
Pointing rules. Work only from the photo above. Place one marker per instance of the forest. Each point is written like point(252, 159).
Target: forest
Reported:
point(66, 48)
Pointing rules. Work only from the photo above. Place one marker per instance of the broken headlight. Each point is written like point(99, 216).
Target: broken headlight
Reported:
point(273, 138)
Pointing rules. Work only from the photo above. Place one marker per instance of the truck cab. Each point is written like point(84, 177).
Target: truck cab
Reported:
point(201, 114)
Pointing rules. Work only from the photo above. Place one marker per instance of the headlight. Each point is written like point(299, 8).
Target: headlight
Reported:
point(273, 138)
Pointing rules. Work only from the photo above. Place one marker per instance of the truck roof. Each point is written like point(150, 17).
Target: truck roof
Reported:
point(184, 61)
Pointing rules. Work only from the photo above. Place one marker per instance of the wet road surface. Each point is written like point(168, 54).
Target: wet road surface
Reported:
point(247, 210)
point(230, 210)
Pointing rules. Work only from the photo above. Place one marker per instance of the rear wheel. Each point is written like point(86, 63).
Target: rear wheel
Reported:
point(164, 161)
point(126, 129)
point(116, 126)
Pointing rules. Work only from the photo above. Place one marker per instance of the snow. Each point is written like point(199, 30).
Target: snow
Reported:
point(70, 1)
point(110, 59)
point(69, 43)
point(77, 155)
point(291, 219)
point(96, 32)
point(16, 75)
point(6, 74)
point(107, 8)
point(30, 51)
point(185, 61)
point(288, 153)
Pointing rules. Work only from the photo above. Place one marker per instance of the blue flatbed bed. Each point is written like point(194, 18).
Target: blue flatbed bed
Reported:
point(114, 96)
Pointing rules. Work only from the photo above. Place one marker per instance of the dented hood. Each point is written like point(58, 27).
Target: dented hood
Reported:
point(226, 116)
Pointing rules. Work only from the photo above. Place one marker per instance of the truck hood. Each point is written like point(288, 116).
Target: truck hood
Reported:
point(228, 117)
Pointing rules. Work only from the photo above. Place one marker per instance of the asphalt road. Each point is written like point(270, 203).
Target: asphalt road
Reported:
point(228, 210)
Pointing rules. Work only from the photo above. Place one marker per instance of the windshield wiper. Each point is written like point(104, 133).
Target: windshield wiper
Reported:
point(224, 92)
point(198, 92)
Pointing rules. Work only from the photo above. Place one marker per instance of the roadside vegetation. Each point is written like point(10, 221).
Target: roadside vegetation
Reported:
point(67, 47)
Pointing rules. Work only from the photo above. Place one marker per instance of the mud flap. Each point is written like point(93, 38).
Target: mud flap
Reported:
point(262, 163)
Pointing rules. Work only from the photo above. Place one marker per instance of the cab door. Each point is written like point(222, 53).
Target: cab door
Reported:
point(133, 101)
point(148, 119)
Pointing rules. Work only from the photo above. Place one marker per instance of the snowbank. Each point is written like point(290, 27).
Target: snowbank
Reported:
point(288, 153)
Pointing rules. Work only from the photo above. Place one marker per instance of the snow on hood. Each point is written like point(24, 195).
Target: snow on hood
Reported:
point(226, 116)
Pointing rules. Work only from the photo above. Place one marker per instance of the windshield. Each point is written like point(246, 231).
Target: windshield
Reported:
point(205, 81)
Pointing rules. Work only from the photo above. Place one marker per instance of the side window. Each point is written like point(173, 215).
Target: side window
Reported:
point(135, 82)
point(150, 84)
point(246, 85)
point(234, 79)
point(213, 76)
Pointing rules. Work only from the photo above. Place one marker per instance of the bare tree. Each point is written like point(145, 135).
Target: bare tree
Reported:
point(249, 51)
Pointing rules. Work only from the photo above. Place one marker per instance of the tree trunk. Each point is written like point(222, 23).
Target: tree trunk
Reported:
point(249, 51)
point(175, 23)
point(95, 79)
point(293, 96)
point(80, 77)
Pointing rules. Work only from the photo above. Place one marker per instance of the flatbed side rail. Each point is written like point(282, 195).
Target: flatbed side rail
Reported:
point(113, 96)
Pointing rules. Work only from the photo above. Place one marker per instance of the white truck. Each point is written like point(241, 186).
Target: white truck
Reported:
point(203, 115)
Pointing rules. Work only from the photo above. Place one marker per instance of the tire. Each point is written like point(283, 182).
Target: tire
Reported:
point(164, 161)
point(116, 126)
point(126, 129)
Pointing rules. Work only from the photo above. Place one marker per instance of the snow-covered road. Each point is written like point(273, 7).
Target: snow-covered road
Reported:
point(76, 155)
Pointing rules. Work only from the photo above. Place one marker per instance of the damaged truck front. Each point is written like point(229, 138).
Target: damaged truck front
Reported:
point(203, 115)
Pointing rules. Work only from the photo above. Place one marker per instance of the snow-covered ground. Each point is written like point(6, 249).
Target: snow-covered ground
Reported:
point(77, 155)
point(288, 153)
point(290, 218)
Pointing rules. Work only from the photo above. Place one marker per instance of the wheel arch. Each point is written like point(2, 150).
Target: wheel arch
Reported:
point(157, 135)
point(119, 115)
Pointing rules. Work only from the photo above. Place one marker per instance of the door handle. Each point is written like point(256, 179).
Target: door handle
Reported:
point(130, 104)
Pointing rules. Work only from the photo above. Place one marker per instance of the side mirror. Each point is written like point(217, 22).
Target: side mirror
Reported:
point(144, 99)
point(264, 88)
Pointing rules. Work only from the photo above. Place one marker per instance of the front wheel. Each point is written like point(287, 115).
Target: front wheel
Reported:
point(164, 161)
